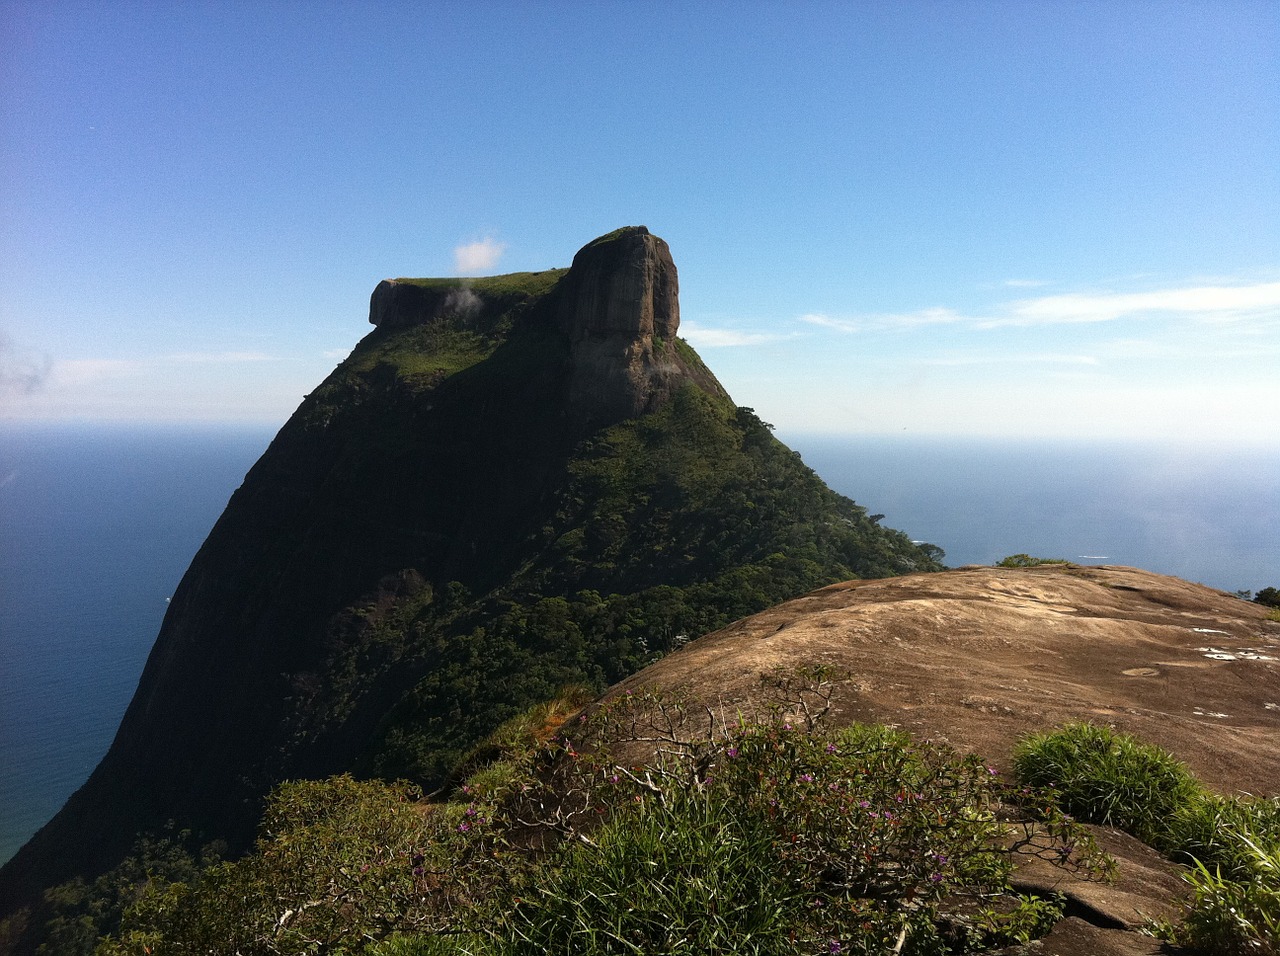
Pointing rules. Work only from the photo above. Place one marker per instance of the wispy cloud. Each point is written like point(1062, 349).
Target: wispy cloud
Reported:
point(21, 373)
point(874, 322)
point(219, 357)
point(480, 256)
point(1013, 358)
point(1208, 304)
point(1024, 283)
point(706, 338)
point(81, 372)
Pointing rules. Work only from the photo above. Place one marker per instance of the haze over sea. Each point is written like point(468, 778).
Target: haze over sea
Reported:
point(98, 524)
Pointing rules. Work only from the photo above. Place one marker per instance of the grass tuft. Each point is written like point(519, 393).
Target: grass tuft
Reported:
point(1106, 777)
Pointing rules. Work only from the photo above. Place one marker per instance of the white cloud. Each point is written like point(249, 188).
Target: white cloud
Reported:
point(21, 373)
point(1024, 283)
point(891, 320)
point(704, 338)
point(224, 357)
point(1203, 303)
point(476, 257)
point(1211, 303)
point(1013, 358)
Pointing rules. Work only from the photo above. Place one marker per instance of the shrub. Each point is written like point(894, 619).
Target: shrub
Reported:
point(763, 837)
point(757, 835)
point(1102, 776)
point(338, 862)
point(1235, 916)
point(1208, 828)
point(1027, 561)
point(1269, 597)
point(1231, 843)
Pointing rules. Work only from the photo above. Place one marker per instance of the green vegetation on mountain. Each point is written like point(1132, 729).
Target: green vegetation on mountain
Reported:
point(667, 527)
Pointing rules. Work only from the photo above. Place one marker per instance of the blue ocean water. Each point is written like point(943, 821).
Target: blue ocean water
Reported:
point(97, 526)
point(1208, 513)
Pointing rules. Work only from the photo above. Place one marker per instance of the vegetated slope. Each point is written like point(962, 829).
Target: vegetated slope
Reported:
point(511, 484)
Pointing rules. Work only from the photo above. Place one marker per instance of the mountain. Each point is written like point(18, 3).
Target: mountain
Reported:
point(512, 484)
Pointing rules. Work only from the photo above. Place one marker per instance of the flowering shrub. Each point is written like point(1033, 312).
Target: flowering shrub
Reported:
point(761, 835)
point(773, 838)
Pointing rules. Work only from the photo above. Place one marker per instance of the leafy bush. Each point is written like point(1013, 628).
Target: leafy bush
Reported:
point(1208, 828)
point(1269, 597)
point(1233, 916)
point(1027, 561)
point(765, 836)
point(338, 862)
point(1231, 843)
point(1102, 776)
point(756, 834)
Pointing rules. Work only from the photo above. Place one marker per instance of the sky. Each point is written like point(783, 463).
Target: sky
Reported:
point(995, 219)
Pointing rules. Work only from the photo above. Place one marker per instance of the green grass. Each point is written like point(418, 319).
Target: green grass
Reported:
point(510, 284)
point(1102, 776)
point(1231, 843)
point(1235, 916)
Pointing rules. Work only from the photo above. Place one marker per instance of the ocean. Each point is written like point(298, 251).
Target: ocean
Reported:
point(98, 524)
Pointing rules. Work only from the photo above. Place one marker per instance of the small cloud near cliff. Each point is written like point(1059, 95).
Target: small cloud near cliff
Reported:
point(477, 257)
point(702, 337)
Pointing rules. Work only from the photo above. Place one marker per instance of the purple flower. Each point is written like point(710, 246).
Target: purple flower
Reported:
point(731, 752)
point(806, 777)
point(464, 827)
point(935, 877)
point(418, 871)
point(831, 748)
point(833, 946)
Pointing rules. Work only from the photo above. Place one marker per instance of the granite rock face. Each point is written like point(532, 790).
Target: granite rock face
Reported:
point(623, 284)
point(619, 306)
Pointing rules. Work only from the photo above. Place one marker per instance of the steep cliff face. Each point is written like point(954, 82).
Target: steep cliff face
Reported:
point(619, 306)
point(513, 482)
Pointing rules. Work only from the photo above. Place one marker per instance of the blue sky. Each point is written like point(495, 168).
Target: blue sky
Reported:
point(966, 218)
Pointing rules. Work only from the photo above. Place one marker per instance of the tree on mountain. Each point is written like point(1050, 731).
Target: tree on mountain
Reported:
point(1268, 596)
